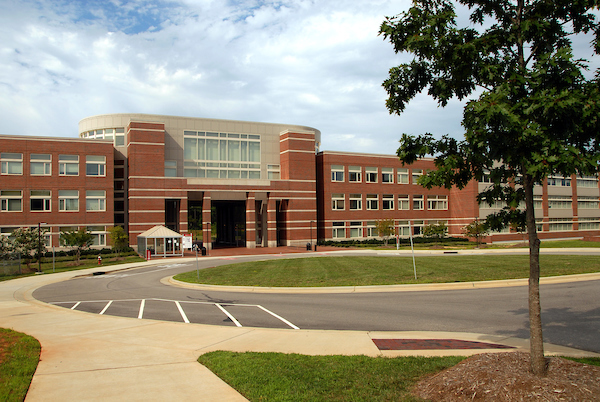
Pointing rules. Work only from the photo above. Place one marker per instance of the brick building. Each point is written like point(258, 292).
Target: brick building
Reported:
point(57, 183)
point(244, 184)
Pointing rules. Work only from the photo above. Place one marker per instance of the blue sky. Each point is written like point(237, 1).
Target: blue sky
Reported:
point(318, 63)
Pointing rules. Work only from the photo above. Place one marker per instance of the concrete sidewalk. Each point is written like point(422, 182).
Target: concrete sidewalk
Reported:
point(91, 357)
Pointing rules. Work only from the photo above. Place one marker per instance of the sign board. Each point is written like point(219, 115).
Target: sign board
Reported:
point(186, 241)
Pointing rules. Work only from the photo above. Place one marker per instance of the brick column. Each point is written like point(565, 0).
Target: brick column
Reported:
point(206, 220)
point(250, 220)
point(271, 231)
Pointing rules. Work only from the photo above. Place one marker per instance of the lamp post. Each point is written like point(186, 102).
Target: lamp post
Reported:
point(40, 245)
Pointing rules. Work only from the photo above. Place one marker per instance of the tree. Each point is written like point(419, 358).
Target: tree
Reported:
point(118, 238)
point(78, 240)
point(476, 230)
point(385, 228)
point(536, 113)
point(26, 242)
point(435, 230)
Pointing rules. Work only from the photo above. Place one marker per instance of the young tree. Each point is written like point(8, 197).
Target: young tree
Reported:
point(118, 238)
point(536, 113)
point(435, 230)
point(79, 240)
point(27, 241)
point(476, 230)
point(385, 228)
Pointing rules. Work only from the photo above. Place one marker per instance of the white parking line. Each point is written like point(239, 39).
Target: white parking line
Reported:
point(232, 318)
point(278, 317)
point(185, 319)
point(106, 307)
point(75, 306)
point(142, 305)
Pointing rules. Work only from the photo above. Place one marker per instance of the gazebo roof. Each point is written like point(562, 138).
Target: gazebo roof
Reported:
point(159, 232)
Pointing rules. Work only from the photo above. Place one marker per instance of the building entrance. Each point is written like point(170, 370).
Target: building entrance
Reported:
point(229, 220)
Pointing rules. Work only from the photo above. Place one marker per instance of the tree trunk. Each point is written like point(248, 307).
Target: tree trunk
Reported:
point(536, 340)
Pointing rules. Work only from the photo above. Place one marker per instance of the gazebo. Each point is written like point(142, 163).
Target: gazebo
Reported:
point(161, 241)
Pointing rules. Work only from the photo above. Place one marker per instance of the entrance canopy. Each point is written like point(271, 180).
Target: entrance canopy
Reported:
point(161, 241)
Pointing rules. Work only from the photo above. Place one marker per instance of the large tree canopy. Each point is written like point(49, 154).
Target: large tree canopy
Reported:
point(531, 112)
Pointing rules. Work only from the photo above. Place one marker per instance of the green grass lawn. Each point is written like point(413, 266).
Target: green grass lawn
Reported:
point(361, 271)
point(293, 377)
point(19, 356)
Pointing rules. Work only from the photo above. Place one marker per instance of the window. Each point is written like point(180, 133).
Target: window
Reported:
point(119, 137)
point(584, 202)
point(371, 175)
point(337, 173)
point(337, 201)
point(62, 229)
point(355, 202)
point(416, 173)
point(98, 235)
point(589, 223)
point(402, 176)
point(372, 201)
point(417, 228)
point(437, 202)
point(559, 181)
point(95, 165)
point(387, 175)
point(403, 202)
point(68, 165)
point(273, 173)
point(485, 178)
point(170, 168)
point(339, 232)
point(354, 174)
point(418, 202)
point(355, 229)
point(11, 200)
point(559, 202)
point(95, 200)
point(387, 202)
point(560, 224)
point(40, 200)
point(587, 181)
point(372, 229)
point(40, 164)
point(11, 163)
point(537, 202)
point(403, 229)
point(68, 200)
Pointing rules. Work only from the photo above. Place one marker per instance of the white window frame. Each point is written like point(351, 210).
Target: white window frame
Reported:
point(372, 202)
point(356, 229)
point(95, 200)
point(437, 202)
point(10, 198)
point(355, 199)
point(402, 175)
point(589, 223)
point(587, 181)
point(403, 229)
point(387, 202)
point(337, 229)
point(64, 203)
point(97, 163)
point(560, 224)
point(46, 198)
point(371, 174)
point(9, 161)
point(415, 174)
point(403, 202)
point(99, 235)
point(387, 175)
point(66, 164)
point(337, 202)
point(337, 173)
point(418, 203)
point(560, 202)
point(354, 174)
point(559, 181)
point(372, 229)
point(587, 202)
point(170, 168)
point(44, 160)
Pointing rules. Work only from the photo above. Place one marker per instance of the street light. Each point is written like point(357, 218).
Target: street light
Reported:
point(40, 245)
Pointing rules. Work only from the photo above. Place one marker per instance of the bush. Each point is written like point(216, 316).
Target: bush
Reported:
point(378, 242)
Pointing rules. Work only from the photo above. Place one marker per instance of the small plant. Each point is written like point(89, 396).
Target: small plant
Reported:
point(78, 240)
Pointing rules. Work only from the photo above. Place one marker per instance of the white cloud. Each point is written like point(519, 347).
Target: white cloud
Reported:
point(315, 63)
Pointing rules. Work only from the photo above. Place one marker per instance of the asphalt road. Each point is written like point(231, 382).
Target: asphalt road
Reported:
point(570, 311)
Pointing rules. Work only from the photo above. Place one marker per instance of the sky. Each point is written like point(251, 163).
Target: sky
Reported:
point(317, 63)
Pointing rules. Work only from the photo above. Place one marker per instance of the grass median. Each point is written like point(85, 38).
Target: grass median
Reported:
point(364, 271)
